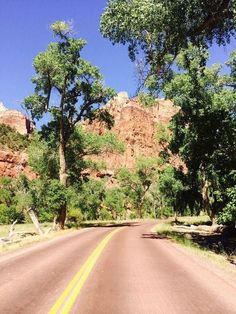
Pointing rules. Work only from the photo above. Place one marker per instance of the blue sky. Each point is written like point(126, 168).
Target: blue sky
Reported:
point(24, 26)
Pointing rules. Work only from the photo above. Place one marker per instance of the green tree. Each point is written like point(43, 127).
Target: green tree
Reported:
point(43, 157)
point(90, 197)
point(171, 188)
point(8, 204)
point(228, 213)
point(204, 129)
point(138, 182)
point(70, 89)
point(114, 202)
point(159, 30)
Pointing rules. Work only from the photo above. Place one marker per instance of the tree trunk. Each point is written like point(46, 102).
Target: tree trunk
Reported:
point(176, 216)
point(61, 217)
point(35, 221)
point(62, 159)
point(206, 200)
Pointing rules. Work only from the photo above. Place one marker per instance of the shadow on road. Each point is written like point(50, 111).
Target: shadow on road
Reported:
point(153, 235)
point(109, 225)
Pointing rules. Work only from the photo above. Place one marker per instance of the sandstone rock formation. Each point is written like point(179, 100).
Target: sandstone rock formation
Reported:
point(16, 120)
point(13, 163)
point(135, 125)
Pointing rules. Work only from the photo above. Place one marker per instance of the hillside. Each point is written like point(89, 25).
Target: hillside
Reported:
point(13, 159)
point(136, 126)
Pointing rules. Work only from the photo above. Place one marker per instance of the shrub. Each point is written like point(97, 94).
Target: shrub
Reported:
point(11, 139)
point(104, 214)
point(9, 214)
point(74, 217)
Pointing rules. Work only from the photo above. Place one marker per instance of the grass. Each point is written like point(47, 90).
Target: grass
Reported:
point(165, 229)
point(191, 220)
point(27, 227)
point(28, 240)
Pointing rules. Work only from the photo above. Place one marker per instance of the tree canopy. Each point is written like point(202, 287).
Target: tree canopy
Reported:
point(70, 89)
point(204, 129)
point(159, 29)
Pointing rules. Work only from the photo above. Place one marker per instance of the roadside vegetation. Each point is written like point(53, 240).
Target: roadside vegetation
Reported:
point(197, 234)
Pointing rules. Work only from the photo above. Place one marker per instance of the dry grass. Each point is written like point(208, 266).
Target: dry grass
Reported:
point(30, 239)
point(166, 229)
point(27, 227)
point(191, 220)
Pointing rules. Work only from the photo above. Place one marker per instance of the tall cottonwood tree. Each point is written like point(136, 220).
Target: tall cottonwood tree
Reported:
point(204, 129)
point(70, 89)
point(158, 29)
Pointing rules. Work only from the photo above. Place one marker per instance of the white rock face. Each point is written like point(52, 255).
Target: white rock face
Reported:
point(121, 98)
point(2, 107)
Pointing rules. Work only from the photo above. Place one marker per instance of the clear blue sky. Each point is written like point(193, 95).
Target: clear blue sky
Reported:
point(24, 26)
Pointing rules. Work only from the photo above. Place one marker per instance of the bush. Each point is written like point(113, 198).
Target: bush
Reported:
point(147, 100)
point(228, 214)
point(9, 214)
point(104, 214)
point(45, 215)
point(12, 139)
point(74, 217)
point(133, 215)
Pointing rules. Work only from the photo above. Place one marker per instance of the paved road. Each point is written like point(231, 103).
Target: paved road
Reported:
point(135, 272)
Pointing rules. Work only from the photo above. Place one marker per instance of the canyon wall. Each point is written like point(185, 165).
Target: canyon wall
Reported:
point(14, 163)
point(136, 126)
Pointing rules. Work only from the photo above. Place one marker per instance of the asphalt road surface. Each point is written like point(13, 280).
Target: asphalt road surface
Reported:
point(124, 270)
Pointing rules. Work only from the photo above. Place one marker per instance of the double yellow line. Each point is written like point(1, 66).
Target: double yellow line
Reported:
point(70, 294)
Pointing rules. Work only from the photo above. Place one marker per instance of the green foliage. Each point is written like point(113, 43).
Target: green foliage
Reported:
point(114, 202)
point(8, 203)
point(136, 184)
point(171, 187)
point(228, 214)
point(42, 158)
point(158, 29)
point(90, 198)
point(84, 143)
point(204, 130)
point(104, 214)
point(162, 134)
point(61, 28)
point(44, 196)
point(61, 69)
point(79, 90)
point(91, 143)
point(54, 198)
point(147, 100)
point(11, 139)
point(9, 214)
point(74, 217)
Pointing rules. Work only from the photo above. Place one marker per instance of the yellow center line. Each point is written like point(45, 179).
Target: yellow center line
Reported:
point(68, 297)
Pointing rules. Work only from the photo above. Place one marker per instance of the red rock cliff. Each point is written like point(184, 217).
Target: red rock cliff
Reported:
point(15, 120)
point(12, 163)
point(135, 125)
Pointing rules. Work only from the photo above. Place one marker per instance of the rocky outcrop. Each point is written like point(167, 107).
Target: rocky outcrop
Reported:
point(13, 163)
point(15, 120)
point(136, 126)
